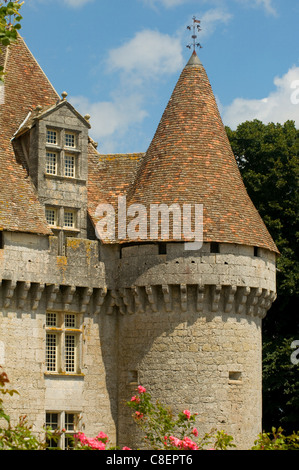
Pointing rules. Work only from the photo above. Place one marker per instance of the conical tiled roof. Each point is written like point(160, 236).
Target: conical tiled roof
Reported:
point(190, 160)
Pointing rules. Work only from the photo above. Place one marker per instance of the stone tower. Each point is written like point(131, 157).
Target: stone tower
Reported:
point(83, 319)
point(192, 335)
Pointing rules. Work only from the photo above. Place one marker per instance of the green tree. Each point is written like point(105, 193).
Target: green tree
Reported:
point(267, 156)
point(9, 25)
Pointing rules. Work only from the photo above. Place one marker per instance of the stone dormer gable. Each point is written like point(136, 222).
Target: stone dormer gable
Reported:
point(55, 130)
point(41, 112)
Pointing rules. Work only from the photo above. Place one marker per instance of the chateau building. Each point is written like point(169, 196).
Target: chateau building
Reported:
point(85, 318)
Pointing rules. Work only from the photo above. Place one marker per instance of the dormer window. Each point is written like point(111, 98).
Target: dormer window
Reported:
point(69, 165)
point(52, 137)
point(70, 140)
point(51, 163)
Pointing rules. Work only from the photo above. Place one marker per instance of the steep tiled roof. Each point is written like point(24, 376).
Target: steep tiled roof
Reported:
point(26, 86)
point(109, 176)
point(190, 161)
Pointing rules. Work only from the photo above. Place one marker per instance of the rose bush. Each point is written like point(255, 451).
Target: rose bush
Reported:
point(162, 430)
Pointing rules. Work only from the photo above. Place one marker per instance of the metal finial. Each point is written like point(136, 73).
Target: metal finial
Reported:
point(195, 27)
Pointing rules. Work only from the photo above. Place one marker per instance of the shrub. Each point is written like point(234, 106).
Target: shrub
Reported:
point(163, 430)
point(276, 440)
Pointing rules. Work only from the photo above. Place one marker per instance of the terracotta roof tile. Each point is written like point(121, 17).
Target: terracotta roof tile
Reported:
point(190, 160)
point(26, 86)
point(109, 176)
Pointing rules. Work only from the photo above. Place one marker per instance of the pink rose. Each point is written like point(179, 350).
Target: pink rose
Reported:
point(102, 436)
point(141, 389)
point(135, 398)
point(95, 444)
point(126, 448)
point(189, 444)
point(175, 441)
point(195, 432)
point(187, 414)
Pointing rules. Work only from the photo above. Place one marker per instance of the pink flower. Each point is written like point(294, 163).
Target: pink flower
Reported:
point(189, 444)
point(96, 444)
point(93, 443)
point(195, 432)
point(126, 448)
point(102, 436)
point(81, 437)
point(175, 441)
point(135, 398)
point(141, 389)
point(187, 414)
point(138, 415)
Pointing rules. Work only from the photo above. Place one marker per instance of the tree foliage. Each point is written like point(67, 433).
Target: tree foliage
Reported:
point(10, 19)
point(267, 156)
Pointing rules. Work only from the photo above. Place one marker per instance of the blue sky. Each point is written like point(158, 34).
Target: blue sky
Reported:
point(119, 60)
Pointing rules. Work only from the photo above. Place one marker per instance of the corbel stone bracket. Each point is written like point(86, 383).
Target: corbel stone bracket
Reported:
point(8, 293)
point(85, 298)
point(100, 296)
point(166, 290)
point(23, 292)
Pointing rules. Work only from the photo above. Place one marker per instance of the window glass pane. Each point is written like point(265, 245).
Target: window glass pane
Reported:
point(69, 166)
point(70, 350)
point(70, 320)
point(51, 137)
point(69, 219)
point(69, 422)
point(51, 352)
point(51, 319)
point(70, 140)
point(51, 163)
point(52, 422)
point(51, 216)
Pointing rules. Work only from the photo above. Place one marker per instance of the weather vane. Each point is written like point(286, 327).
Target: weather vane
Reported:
point(196, 28)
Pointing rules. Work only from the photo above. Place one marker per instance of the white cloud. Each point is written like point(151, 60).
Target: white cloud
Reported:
point(165, 3)
point(267, 5)
point(111, 118)
point(77, 3)
point(281, 105)
point(69, 3)
point(137, 64)
point(211, 18)
point(149, 54)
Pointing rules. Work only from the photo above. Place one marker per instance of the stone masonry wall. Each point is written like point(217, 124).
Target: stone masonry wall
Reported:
point(187, 325)
point(192, 335)
point(34, 281)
